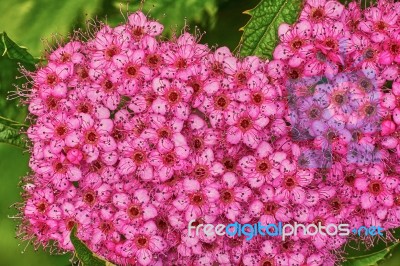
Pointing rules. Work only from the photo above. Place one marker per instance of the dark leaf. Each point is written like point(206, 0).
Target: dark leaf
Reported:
point(360, 254)
point(14, 51)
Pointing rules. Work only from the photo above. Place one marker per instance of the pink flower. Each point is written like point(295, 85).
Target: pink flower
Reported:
point(196, 200)
point(134, 159)
point(238, 73)
point(295, 43)
point(153, 58)
point(379, 23)
point(204, 167)
point(93, 191)
point(285, 253)
point(128, 71)
point(352, 16)
point(390, 50)
point(95, 137)
point(140, 26)
point(343, 98)
point(366, 54)
point(105, 91)
point(60, 129)
point(78, 101)
point(216, 104)
point(260, 97)
point(58, 171)
point(185, 53)
point(323, 240)
point(233, 195)
point(71, 52)
point(39, 204)
point(269, 208)
point(172, 98)
point(376, 188)
point(52, 80)
point(169, 158)
point(319, 10)
point(133, 208)
point(200, 136)
point(332, 44)
point(261, 168)
point(215, 61)
point(202, 85)
point(245, 126)
point(142, 243)
point(107, 44)
point(293, 184)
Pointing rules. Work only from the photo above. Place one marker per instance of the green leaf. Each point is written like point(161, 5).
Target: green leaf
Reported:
point(370, 259)
point(84, 254)
point(15, 52)
point(360, 253)
point(11, 135)
point(29, 21)
point(173, 13)
point(11, 55)
point(260, 34)
point(8, 74)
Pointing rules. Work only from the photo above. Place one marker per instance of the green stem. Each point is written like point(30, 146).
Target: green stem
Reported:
point(13, 122)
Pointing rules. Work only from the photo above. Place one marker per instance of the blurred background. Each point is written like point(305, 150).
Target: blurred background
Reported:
point(27, 22)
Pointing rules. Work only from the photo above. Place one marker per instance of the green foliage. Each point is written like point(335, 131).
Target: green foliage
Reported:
point(360, 253)
point(13, 165)
point(260, 34)
point(30, 20)
point(173, 13)
point(85, 255)
point(8, 74)
point(11, 136)
point(230, 19)
point(11, 56)
point(15, 52)
point(370, 259)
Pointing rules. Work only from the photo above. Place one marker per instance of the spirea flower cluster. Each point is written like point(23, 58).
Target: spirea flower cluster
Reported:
point(134, 136)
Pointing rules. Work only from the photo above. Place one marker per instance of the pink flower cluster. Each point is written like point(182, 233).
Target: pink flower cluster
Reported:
point(134, 136)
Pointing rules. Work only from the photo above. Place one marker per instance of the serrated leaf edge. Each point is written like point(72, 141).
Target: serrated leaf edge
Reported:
point(249, 12)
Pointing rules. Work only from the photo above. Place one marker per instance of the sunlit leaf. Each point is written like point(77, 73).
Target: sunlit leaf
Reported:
point(27, 21)
point(174, 13)
point(15, 52)
point(370, 259)
point(260, 34)
point(360, 253)
point(85, 255)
